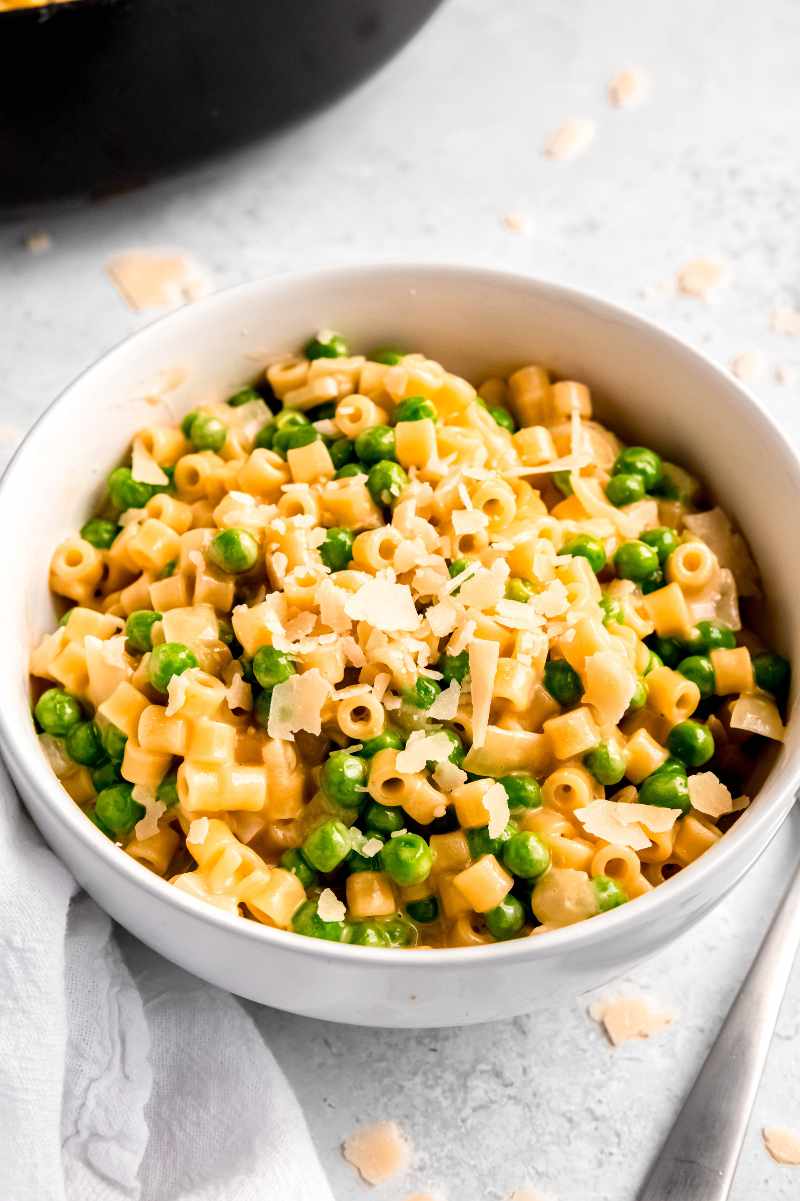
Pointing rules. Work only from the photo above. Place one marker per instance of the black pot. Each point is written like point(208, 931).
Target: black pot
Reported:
point(98, 96)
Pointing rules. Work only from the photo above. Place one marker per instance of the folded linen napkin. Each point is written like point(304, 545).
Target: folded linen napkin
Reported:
point(122, 1076)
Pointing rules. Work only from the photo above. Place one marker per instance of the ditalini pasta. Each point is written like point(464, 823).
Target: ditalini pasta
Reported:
point(370, 655)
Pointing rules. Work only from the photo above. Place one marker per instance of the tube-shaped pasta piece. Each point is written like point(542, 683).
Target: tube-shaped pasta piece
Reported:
point(671, 694)
point(733, 671)
point(669, 612)
point(140, 766)
point(360, 717)
point(76, 569)
point(642, 756)
point(573, 733)
point(155, 852)
point(568, 788)
point(484, 884)
point(157, 732)
point(692, 565)
point(370, 894)
point(450, 851)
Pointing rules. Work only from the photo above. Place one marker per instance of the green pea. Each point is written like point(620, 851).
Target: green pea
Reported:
point(307, 921)
point(481, 843)
point(562, 682)
point(337, 549)
point(456, 567)
point(95, 820)
point(666, 789)
point(375, 445)
point(139, 629)
point(169, 659)
point(290, 419)
point(653, 661)
point(265, 436)
point(677, 484)
point(341, 451)
point(388, 740)
point(64, 618)
point(349, 470)
point(343, 779)
point(415, 408)
point(654, 581)
point(609, 894)
point(525, 855)
point(167, 791)
point(506, 919)
point(168, 569)
point(116, 808)
point(424, 911)
point(83, 744)
point(328, 845)
point(715, 636)
point(271, 666)
point(399, 931)
point(663, 541)
point(407, 858)
point(57, 712)
point(587, 547)
point(207, 432)
point(385, 819)
point(423, 694)
point(261, 707)
point(625, 489)
point(388, 355)
point(100, 532)
point(635, 560)
point(293, 861)
point(457, 753)
point(453, 667)
point(522, 790)
point(186, 422)
point(612, 611)
point(605, 763)
point(563, 482)
point(639, 460)
point(772, 673)
point(700, 670)
point(244, 396)
point(292, 437)
point(639, 698)
point(503, 418)
point(126, 492)
point(691, 742)
point(326, 345)
point(104, 776)
point(669, 650)
point(519, 590)
point(233, 551)
point(369, 934)
point(114, 742)
point(386, 482)
point(355, 862)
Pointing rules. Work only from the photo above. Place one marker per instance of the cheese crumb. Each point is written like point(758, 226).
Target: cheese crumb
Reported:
point(495, 800)
point(782, 1144)
point(147, 826)
point(151, 279)
point(483, 658)
point(378, 1152)
point(626, 823)
point(700, 277)
point(329, 907)
point(385, 604)
point(445, 707)
point(785, 320)
point(144, 468)
point(421, 749)
point(570, 140)
point(626, 1018)
point(628, 88)
point(297, 705)
point(709, 795)
point(517, 223)
point(370, 848)
point(449, 776)
point(747, 366)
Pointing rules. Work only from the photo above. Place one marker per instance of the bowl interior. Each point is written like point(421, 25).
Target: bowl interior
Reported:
point(647, 386)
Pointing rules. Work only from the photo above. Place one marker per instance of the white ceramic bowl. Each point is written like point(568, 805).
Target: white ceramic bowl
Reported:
point(646, 384)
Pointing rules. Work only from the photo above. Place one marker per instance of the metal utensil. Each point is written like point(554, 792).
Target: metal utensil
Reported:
point(699, 1157)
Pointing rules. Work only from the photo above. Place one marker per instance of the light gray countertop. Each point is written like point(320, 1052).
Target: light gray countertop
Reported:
point(423, 162)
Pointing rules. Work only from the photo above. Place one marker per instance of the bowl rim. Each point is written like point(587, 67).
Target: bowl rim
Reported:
point(759, 829)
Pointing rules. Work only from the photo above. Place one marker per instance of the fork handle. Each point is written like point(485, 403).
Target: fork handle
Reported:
point(699, 1157)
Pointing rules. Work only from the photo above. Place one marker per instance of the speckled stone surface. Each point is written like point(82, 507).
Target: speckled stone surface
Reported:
point(424, 162)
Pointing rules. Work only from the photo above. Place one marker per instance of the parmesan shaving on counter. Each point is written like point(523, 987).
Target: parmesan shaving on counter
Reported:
point(570, 139)
point(152, 279)
point(782, 1144)
point(378, 1152)
point(628, 1018)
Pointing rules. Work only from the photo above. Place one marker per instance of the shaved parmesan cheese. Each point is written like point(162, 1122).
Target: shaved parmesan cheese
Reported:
point(329, 907)
point(353, 652)
point(378, 1152)
point(628, 88)
point(445, 707)
point(626, 824)
point(570, 139)
point(380, 684)
point(385, 604)
point(461, 638)
point(239, 694)
point(629, 1017)
point(194, 623)
point(709, 795)
point(553, 601)
point(461, 579)
point(297, 705)
point(144, 468)
point(782, 1144)
point(483, 659)
point(198, 831)
point(468, 521)
point(759, 715)
point(701, 277)
point(421, 749)
point(176, 690)
point(370, 848)
point(442, 617)
point(332, 610)
point(107, 666)
point(484, 589)
point(610, 684)
point(714, 528)
point(495, 800)
point(449, 776)
point(591, 496)
point(147, 826)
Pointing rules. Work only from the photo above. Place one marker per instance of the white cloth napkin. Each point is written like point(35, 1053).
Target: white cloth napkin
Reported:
point(122, 1076)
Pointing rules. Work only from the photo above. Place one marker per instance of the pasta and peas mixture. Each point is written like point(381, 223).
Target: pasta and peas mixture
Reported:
point(368, 655)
